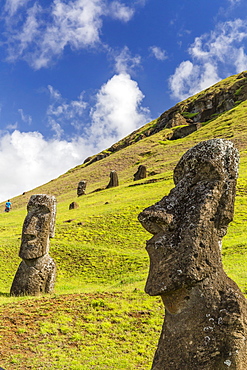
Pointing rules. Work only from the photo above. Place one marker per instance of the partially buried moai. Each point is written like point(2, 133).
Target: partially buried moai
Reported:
point(81, 188)
point(113, 180)
point(141, 173)
point(37, 271)
point(205, 324)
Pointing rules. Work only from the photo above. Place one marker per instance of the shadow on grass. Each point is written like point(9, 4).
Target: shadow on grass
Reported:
point(4, 294)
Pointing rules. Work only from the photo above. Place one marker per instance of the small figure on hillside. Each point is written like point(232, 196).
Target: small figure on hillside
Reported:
point(113, 180)
point(8, 206)
point(141, 173)
point(205, 324)
point(81, 188)
point(37, 271)
point(73, 205)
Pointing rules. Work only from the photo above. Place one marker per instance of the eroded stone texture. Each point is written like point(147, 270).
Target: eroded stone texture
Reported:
point(180, 132)
point(37, 271)
point(81, 188)
point(205, 325)
point(141, 173)
point(113, 180)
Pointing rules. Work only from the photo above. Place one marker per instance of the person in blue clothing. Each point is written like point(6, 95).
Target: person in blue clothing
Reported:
point(7, 206)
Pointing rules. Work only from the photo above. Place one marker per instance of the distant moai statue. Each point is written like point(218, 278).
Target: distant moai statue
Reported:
point(37, 271)
point(205, 324)
point(81, 188)
point(113, 180)
point(73, 205)
point(141, 173)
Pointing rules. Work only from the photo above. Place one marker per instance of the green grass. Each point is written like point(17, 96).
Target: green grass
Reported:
point(189, 115)
point(90, 331)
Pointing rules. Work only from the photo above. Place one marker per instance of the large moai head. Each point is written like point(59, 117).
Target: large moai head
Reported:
point(38, 226)
point(81, 188)
point(189, 223)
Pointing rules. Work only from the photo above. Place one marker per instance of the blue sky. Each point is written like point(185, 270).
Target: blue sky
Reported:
point(78, 75)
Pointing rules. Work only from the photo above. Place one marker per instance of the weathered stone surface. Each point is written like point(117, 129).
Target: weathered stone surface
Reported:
point(141, 173)
point(205, 325)
point(38, 226)
point(34, 277)
point(113, 180)
point(180, 132)
point(81, 188)
point(95, 158)
point(176, 120)
point(37, 271)
point(73, 205)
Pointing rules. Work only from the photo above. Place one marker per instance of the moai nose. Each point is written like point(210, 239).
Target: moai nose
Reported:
point(30, 226)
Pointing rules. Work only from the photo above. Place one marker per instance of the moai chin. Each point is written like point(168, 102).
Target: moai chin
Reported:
point(113, 180)
point(141, 173)
point(81, 188)
point(205, 324)
point(37, 271)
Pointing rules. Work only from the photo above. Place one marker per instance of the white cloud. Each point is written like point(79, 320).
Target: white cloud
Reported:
point(190, 78)
point(54, 94)
point(158, 52)
point(27, 160)
point(124, 62)
point(25, 117)
point(12, 127)
point(213, 56)
point(12, 6)
point(233, 2)
point(118, 110)
point(121, 11)
point(41, 34)
point(56, 128)
point(62, 112)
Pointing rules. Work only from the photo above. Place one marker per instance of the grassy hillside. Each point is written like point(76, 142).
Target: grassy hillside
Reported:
point(99, 317)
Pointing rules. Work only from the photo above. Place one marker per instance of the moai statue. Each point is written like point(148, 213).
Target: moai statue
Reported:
point(37, 271)
point(113, 180)
point(205, 324)
point(141, 173)
point(73, 205)
point(81, 188)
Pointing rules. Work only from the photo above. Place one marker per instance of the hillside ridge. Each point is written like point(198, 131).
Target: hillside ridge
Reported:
point(188, 115)
point(219, 111)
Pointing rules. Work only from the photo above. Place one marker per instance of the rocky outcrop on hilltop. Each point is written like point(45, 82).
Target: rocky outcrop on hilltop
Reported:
point(206, 105)
point(188, 115)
